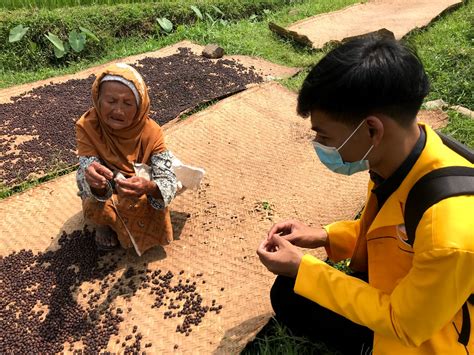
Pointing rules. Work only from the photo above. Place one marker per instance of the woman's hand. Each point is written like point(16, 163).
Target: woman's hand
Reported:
point(300, 234)
point(97, 175)
point(135, 187)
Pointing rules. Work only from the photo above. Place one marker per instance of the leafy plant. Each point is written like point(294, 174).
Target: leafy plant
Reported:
point(197, 12)
point(59, 48)
point(165, 24)
point(210, 17)
point(218, 11)
point(77, 41)
point(253, 18)
point(89, 34)
point(17, 33)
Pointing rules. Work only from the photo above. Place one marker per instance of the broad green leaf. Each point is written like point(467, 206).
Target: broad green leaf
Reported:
point(165, 24)
point(55, 41)
point(59, 53)
point(89, 33)
point(197, 12)
point(77, 40)
point(17, 33)
point(219, 11)
point(33, 46)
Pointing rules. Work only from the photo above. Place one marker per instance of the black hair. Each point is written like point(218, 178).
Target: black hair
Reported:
point(367, 75)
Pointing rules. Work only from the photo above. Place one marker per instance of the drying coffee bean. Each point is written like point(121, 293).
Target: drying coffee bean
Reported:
point(49, 279)
point(48, 113)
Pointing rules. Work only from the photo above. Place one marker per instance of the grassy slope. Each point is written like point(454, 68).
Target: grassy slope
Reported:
point(445, 48)
point(243, 37)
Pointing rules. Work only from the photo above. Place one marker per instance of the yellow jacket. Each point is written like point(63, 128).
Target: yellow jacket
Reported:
point(414, 296)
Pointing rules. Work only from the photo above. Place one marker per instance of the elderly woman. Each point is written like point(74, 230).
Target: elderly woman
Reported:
point(115, 138)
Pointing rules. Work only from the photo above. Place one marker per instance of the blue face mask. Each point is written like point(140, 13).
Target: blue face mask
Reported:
point(332, 159)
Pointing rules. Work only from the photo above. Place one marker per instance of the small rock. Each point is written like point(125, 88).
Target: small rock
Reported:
point(294, 12)
point(213, 51)
point(435, 104)
point(463, 110)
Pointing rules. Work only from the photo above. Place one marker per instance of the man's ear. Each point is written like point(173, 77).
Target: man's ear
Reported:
point(376, 129)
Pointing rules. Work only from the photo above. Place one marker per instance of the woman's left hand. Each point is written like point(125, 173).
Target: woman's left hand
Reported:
point(134, 187)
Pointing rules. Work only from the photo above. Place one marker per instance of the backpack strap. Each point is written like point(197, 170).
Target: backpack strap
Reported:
point(430, 189)
point(458, 147)
point(433, 187)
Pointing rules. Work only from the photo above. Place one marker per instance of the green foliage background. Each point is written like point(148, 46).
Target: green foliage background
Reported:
point(108, 22)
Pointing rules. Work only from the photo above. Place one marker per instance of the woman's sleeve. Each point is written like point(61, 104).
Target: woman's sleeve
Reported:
point(84, 188)
point(165, 179)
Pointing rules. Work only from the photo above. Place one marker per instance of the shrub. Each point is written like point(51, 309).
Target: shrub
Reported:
point(107, 22)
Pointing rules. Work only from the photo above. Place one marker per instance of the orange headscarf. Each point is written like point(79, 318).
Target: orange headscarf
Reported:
point(120, 148)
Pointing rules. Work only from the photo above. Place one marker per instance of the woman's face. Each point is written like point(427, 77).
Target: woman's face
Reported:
point(117, 105)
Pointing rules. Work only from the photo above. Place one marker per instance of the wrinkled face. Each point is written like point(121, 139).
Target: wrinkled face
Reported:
point(117, 105)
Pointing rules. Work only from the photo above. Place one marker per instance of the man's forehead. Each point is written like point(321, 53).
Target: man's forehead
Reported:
point(322, 122)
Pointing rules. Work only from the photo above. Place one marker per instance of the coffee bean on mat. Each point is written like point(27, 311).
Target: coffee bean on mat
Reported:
point(39, 309)
point(37, 133)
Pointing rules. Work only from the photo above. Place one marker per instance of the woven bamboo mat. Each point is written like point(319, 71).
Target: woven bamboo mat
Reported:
point(269, 71)
point(261, 168)
point(397, 16)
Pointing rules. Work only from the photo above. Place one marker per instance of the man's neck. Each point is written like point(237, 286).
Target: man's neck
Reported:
point(397, 149)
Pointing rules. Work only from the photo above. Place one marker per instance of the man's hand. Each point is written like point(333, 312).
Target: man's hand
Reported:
point(300, 234)
point(134, 187)
point(280, 256)
point(97, 175)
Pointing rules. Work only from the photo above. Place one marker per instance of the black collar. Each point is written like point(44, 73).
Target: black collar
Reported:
point(385, 187)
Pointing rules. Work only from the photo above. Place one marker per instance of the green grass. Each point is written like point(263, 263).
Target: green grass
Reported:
point(51, 4)
point(447, 51)
point(460, 127)
point(7, 191)
point(239, 37)
point(445, 47)
point(278, 340)
point(275, 338)
point(110, 24)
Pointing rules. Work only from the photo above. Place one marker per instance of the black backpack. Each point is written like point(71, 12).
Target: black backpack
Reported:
point(433, 187)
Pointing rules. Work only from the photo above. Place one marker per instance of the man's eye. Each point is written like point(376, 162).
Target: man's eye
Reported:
point(320, 138)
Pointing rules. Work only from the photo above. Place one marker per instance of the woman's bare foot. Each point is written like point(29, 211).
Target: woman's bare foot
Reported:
point(105, 238)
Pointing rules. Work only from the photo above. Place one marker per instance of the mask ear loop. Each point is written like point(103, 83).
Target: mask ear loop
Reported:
point(370, 149)
point(360, 124)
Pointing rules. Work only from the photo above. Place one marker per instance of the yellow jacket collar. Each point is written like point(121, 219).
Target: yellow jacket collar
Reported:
point(434, 155)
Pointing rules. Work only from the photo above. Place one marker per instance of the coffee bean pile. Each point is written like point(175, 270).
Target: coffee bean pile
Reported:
point(186, 303)
point(44, 307)
point(37, 130)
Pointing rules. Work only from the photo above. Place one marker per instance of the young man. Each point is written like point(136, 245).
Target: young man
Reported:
point(363, 98)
